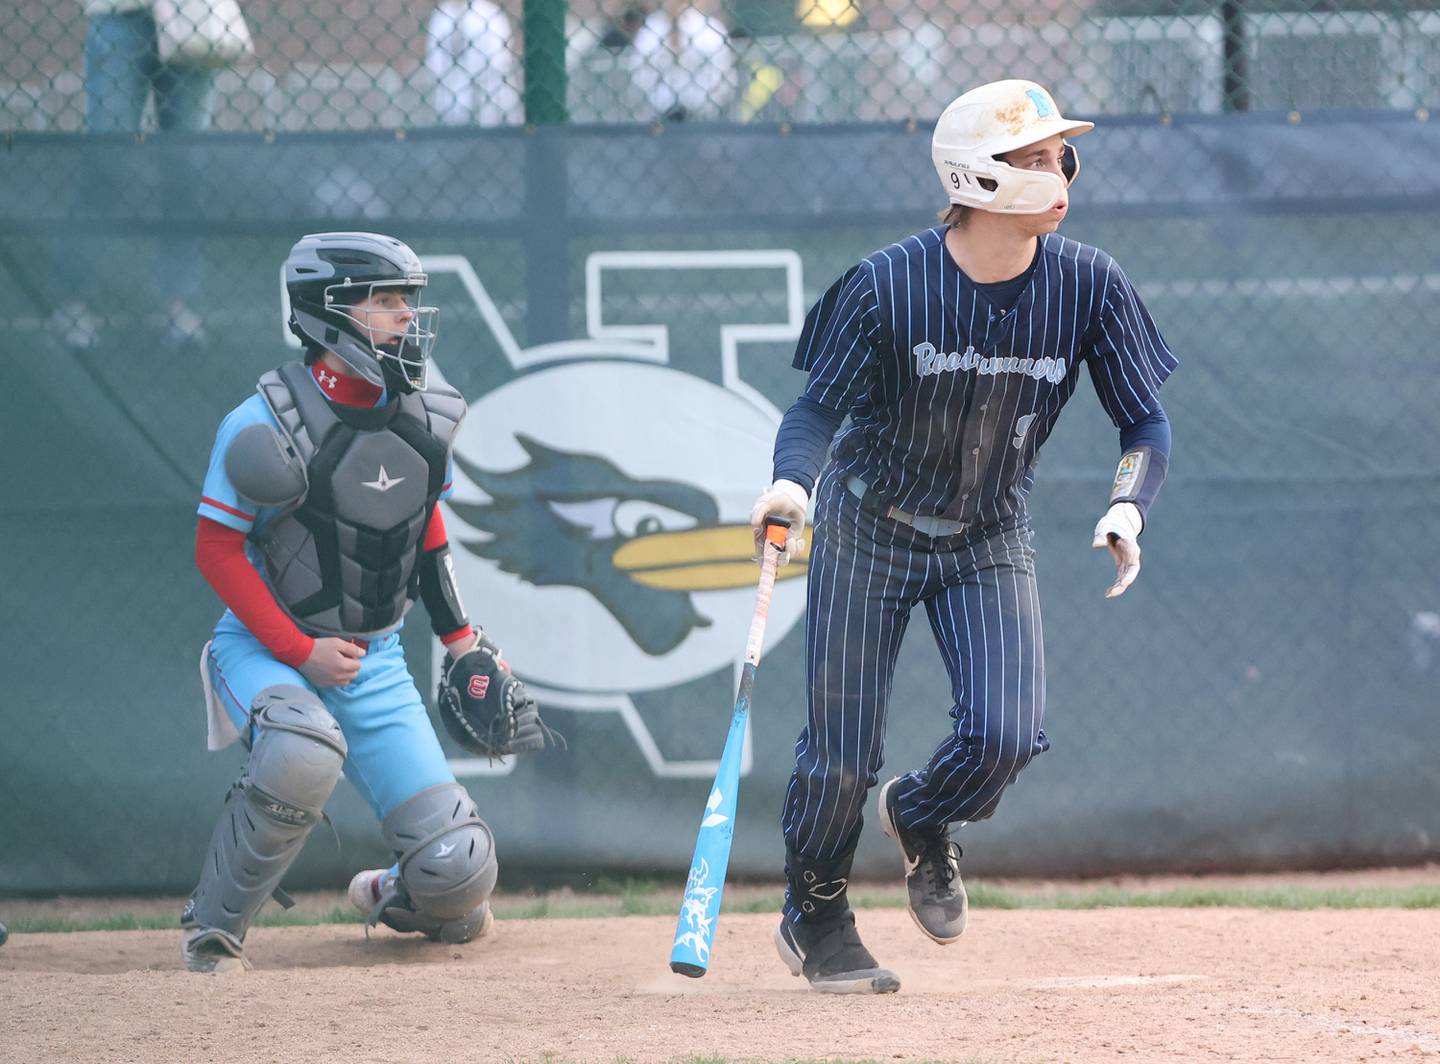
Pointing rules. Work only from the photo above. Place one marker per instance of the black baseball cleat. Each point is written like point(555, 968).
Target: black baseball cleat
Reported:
point(935, 894)
point(832, 957)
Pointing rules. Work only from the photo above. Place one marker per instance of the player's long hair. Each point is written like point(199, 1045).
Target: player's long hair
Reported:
point(955, 215)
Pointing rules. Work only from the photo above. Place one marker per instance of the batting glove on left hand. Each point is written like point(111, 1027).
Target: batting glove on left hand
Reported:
point(784, 499)
point(1119, 530)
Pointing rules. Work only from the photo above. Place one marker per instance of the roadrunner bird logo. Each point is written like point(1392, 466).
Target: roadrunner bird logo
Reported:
point(605, 531)
point(602, 489)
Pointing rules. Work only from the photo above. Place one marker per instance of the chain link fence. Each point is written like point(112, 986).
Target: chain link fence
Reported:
point(292, 65)
point(1265, 696)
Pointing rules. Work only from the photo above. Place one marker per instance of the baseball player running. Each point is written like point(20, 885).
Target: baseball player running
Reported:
point(319, 527)
point(952, 352)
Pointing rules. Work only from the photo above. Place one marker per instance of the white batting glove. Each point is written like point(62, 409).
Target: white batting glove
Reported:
point(1119, 530)
point(784, 499)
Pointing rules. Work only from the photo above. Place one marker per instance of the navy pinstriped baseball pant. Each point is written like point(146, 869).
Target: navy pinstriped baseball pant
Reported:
point(866, 574)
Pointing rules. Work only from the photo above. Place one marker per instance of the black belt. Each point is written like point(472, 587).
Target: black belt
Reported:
point(930, 526)
point(363, 644)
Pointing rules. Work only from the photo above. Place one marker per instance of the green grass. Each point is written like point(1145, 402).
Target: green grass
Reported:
point(1412, 897)
point(123, 921)
point(649, 898)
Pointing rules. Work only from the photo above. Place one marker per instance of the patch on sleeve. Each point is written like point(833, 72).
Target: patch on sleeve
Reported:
point(1128, 476)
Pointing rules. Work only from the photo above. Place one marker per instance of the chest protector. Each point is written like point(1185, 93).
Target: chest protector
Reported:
point(343, 561)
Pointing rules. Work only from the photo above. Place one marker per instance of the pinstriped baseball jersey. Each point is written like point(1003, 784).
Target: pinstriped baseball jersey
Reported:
point(949, 399)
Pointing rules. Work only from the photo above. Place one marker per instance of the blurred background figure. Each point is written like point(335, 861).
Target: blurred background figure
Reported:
point(602, 68)
point(683, 61)
point(621, 33)
point(802, 61)
point(1424, 640)
point(827, 14)
point(123, 67)
point(468, 51)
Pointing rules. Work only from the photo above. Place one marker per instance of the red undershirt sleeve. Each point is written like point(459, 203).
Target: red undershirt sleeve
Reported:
point(220, 557)
point(435, 535)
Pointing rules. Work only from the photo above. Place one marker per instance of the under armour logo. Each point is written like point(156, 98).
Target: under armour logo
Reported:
point(328, 380)
point(384, 482)
point(443, 850)
point(1022, 426)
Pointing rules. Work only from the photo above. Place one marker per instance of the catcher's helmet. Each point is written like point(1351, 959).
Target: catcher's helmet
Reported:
point(328, 273)
point(990, 121)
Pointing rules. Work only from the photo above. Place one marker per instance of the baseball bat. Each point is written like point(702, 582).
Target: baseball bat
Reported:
point(704, 887)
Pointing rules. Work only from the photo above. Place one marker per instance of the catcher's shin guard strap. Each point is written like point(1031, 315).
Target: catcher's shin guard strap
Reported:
point(447, 853)
point(294, 765)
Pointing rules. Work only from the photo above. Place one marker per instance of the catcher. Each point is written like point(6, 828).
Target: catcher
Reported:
point(318, 528)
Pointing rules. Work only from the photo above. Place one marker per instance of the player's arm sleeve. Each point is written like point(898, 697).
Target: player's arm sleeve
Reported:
point(1144, 461)
point(802, 441)
point(1128, 358)
point(220, 557)
point(438, 589)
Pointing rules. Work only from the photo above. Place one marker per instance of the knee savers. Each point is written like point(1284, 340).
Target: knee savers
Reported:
point(294, 765)
point(447, 853)
point(297, 757)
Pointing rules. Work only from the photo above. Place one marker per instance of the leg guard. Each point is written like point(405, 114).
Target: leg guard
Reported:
point(278, 799)
point(817, 890)
point(447, 866)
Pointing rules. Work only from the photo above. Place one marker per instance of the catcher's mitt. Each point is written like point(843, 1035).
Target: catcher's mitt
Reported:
point(485, 708)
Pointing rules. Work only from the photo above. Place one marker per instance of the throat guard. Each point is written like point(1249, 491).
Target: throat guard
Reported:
point(343, 562)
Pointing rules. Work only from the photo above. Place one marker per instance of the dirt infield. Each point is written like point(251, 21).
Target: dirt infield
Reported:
point(1110, 984)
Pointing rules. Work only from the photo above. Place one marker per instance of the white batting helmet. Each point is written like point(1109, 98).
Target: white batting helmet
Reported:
point(990, 121)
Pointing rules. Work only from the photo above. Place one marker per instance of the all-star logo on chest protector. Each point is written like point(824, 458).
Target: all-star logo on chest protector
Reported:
point(342, 562)
point(383, 482)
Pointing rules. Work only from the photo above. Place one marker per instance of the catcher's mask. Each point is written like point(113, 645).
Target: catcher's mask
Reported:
point(329, 276)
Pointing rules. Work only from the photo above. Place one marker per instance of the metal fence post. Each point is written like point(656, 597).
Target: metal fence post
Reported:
point(544, 23)
point(1235, 91)
point(546, 192)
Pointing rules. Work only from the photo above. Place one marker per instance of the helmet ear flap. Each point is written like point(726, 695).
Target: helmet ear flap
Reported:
point(1069, 162)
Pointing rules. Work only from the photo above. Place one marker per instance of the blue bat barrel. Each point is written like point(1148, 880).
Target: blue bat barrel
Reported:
point(700, 907)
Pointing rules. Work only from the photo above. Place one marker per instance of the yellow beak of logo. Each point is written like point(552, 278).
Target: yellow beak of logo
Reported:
point(701, 559)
